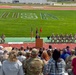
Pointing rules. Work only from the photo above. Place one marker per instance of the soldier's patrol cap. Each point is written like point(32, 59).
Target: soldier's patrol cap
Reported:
point(28, 53)
point(34, 51)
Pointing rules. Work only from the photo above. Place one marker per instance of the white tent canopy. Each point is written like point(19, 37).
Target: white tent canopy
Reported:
point(25, 1)
point(6, 1)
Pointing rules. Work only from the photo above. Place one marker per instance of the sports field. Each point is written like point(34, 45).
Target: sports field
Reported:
point(19, 22)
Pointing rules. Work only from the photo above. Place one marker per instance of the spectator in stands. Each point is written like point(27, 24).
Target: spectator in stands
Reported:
point(68, 50)
point(75, 50)
point(1, 50)
point(27, 49)
point(0, 68)
point(1, 53)
point(12, 66)
point(30, 49)
point(5, 55)
point(22, 48)
point(64, 55)
point(40, 52)
point(56, 65)
point(50, 47)
point(69, 61)
point(50, 53)
point(34, 65)
point(45, 57)
point(74, 66)
point(61, 51)
point(20, 56)
point(28, 55)
point(1, 58)
point(14, 48)
point(71, 56)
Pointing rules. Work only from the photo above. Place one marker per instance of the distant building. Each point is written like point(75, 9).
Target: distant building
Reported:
point(66, 0)
point(35, 1)
point(15, 1)
point(74, 0)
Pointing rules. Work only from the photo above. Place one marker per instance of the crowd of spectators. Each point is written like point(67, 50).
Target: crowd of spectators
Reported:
point(33, 61)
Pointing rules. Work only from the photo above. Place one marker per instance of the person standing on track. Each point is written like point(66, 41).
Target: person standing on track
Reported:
point(2, 38)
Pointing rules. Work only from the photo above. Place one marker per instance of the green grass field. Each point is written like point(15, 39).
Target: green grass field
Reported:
point(18, 22)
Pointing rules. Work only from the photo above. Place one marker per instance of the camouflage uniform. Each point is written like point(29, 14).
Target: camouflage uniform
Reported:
point(34, 66)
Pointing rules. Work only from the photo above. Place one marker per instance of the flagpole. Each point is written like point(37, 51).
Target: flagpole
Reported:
point(40, 31)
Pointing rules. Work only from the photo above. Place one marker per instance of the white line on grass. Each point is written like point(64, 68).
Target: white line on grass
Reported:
point(2, 15)
point(7, 14)
point(18, 15)
point(13, 15)
point(46, 16)
point(41, 15)
point(29, 16)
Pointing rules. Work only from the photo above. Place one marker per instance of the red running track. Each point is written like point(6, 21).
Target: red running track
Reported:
point(45, 45)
